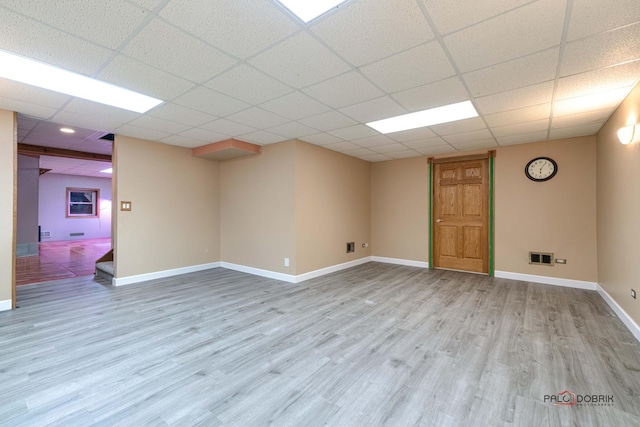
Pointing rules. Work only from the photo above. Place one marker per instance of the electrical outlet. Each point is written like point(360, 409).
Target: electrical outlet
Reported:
point(561, 261)
point(286, 262)
point(365, 245)
point(633, 293)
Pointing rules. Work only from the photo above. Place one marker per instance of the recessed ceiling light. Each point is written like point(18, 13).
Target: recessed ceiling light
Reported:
point(310, 10)
point(67, 130)
point(433, 116)
point(29, 71)
point(109, 170)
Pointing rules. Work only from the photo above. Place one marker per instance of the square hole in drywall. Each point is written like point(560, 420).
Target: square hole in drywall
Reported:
point(351, 247)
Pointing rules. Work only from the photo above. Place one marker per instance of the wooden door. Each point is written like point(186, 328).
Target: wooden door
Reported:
point(461, 215)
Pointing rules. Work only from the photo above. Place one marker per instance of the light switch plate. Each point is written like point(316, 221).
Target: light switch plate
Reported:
point(125, 206)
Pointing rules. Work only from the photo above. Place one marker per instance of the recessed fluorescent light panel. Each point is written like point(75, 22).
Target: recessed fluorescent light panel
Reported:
point(308, 10)
point(67, 130)
point(109, 170)
point(35, 73)
point(433, 116)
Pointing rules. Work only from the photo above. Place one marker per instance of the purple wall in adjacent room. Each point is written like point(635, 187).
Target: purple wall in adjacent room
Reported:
point(52, 207)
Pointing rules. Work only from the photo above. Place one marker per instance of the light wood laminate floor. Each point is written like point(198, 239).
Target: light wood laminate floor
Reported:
point(373, 345)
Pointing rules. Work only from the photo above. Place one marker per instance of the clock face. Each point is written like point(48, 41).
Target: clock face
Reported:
point(541, 169)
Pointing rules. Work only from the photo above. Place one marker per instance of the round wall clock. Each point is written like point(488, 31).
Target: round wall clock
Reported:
point(541, 169)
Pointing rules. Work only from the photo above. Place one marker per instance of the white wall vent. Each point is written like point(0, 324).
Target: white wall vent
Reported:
point(45, 235)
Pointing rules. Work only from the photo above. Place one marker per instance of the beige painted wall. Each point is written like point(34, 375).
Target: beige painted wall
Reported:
point(8, 160)
point(174, 220)
point(400, 209)
point(332, 207)
point(556, 216)
point(618, 208)
point(257, 209)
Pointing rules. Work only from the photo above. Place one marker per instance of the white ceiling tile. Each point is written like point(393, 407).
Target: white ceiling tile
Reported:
point(532, 69)
point(142, 133)
point(210, 102)
point(329, 121)
point(518, 98)
point(573, 120)
point(601, 51)
point(299, 61)
point(367, 31)
point(598, 81)
point(590, 17)
point(102, 111)
point(523, 138)
point(412, 135)
point(181, 141)
point(262, 137)
point(257, 117)
point(134, 75)
point(147, 4)
point(342, 146)
point(428, 62)
point(39, 41)
point(346, 89)
point(295, 105)
point(383, 149)
point(360, 152)
point(591, 102)
point(35, 95)
point(184, 55)
point(375, 109)
point(204, 135)
point(180, 114)
point(248, 84)
point(459, 126)
point(375, 158)
point(373, 141)
point(404, 154)
point(437, 94)
point(228, 127)
point(520, 115)
point(465, 137)
point(241, 28)
point(432, 151)
point(475, 145)
point(161, 125)
point(292, 130)
point(321, 139)
point(582, 130)
point(522, 31)
point(116, 19)
point(354, 132)
point(530, 127)
point(86, 120)
point(450, 16)
point(425, 143)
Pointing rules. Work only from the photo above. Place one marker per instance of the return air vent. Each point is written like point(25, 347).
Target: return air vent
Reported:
point(45, 235)
point(76, 234)
point(541, 258)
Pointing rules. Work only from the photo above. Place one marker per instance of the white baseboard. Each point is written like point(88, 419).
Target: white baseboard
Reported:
point(569, 283)
point(6, 305)
point(398, 261)
point(259, 272)
point(129, 280)
point(332, 269)
point(626, 319)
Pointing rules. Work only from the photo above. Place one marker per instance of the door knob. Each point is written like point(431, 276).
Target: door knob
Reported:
point(438, 220)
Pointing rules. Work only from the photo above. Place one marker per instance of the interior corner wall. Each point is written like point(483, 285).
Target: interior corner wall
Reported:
point(52, 215)
point(174, 221)
point(8, 180)
point(618, 207)
point(257, 209)
point(332, 207)
point(27, 205)
point(556, 216)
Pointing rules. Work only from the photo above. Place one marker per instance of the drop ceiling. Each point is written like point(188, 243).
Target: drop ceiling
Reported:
point(249, 70)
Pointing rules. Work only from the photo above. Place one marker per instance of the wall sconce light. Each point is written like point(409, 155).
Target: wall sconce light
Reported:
point(626, 134)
